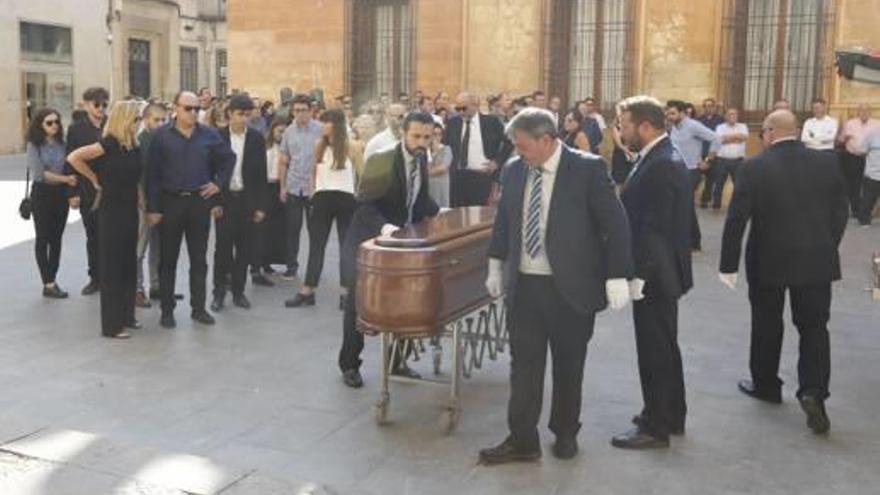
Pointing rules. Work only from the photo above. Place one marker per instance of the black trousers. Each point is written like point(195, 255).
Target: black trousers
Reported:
point(118, 224)
point(853, 168)
point(541, 317)
point(696, 236)
point(722, 168)
point(50, 211)
point(708, 185)
point(870, 194)
point(270, 239)
point(183, 215)
point(810, 311)
point(90, 223)
point(234, 243)
point(326, 207)
point(470, 188)
point(353, 340)
point(295, 208)
point(660, 367)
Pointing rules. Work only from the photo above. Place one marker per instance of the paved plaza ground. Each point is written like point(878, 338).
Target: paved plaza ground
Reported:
point(255, 404)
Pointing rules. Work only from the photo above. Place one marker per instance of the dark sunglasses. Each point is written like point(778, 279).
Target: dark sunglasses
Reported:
point(51, 122)
point(461, 108)
point(100, 104)
point(189, 108)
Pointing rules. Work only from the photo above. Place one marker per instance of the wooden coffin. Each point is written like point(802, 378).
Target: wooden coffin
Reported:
point(426, 275)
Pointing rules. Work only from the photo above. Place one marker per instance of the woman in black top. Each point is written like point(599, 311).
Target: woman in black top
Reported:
point(115, 172)
point(573, 131)
point(621, 159)
point(45, 159)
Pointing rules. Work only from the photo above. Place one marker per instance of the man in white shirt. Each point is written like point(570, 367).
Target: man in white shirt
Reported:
point(391, 135)
point(852, 159)
point(820, 130)
point(733, 136)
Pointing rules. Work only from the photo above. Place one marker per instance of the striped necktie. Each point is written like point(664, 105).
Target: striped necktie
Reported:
point(533, 216)
point(411, 189)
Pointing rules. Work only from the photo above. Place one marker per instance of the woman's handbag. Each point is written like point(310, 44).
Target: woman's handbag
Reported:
point(24, 208)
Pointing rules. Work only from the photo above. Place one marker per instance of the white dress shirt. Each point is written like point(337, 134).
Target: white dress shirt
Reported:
point(819, 134)
point(476, 156)
point(540, 264)
point(236, 182)
point(272, 164)
point(380, 142)
point(731, 150)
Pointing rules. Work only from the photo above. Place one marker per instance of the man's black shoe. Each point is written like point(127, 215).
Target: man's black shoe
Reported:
point(748, 388)
point(300, 300)
point(353, 378)
point(218, 303)
point(90, 288)
point(167, 320)
point(268, 269)
point(260, 279)
point(133, 325)
point(638, 439)
point(507, 452)
point(203, 317)
point(565, 447)
point(406, 372)
point(676, 430)
point(54, 292)
point(817, 418)
point(241, 301)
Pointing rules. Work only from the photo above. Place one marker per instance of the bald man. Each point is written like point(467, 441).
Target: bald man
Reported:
point(852, 159)
point(796, 201)
point(479, 148)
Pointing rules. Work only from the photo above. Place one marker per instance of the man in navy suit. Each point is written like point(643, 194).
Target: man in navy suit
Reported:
point(560, 250)
point(658, 199)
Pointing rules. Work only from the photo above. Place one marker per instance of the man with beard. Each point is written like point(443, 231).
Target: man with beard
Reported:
point(392, 193)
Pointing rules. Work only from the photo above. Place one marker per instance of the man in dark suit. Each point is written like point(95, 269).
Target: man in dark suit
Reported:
point(245, 199)
point(560, 250)
point(657, 196)
point(478, 149)
point(796, 201)
point(392, 193)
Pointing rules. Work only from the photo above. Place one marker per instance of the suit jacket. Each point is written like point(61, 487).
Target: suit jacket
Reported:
point(253, 171)
point(659, 201)
point(382, 199)
point(492, 132)
point(796, 201)
point(587, 233)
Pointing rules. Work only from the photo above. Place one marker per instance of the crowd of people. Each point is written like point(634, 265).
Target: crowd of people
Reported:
point(147, 175)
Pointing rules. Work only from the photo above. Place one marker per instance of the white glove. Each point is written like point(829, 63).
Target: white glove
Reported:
point(728, 279)
point(636, 288)
point(495, 280)
point(388, 229)
point(617, 293)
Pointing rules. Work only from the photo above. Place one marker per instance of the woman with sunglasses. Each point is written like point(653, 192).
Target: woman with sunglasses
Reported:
point(115, 173)
point(45, 159)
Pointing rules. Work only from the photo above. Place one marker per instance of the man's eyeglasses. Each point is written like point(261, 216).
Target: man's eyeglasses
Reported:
point(100, 104)
point(765, 130)
point(460, 109)
point(301, 110)
point(189, 108)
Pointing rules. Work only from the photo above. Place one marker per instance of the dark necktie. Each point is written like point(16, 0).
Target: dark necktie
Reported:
point(411, 188)
point(465, 141)
point(533, 214)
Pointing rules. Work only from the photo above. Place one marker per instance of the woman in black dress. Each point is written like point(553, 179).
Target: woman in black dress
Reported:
point(573, 131)
point(113, 166)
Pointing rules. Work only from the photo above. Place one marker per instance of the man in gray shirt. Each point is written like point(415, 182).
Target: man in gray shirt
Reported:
point(296, 164)
point(688, 136)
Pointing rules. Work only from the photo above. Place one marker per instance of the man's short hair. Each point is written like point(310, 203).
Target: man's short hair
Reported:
point(153, 108)
point(679, 105)
point(96, 93)
point(419, 117)
point(819, 100)
point(535, 122)
point(644, 109)
point(202, 90)
point(538, 93)
point(589, 99)
point(302, 100)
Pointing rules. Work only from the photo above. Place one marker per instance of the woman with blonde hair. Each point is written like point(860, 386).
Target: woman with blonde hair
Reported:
point(113, 166)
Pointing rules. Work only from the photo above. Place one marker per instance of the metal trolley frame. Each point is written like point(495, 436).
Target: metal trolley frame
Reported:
point(480, 333)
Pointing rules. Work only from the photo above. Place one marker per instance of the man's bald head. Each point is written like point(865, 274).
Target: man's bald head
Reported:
point(864, 111)
point(186, 109)
point(778, 125)
point(467, 104)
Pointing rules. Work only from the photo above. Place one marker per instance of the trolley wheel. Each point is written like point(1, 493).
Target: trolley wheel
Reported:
point(438, 359)
point(449, 420)
point(380, 412)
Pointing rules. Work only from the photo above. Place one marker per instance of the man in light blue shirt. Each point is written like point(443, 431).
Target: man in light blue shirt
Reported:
point(688, 136)
point(871, 184)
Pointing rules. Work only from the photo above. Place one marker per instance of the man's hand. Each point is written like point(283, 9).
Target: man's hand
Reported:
point(617, 293)
point(636, 289)
point(388, 229)
point(259, 216)
point(703, 165)
point(728, 279)
point(70, 180)
point(73, 202)
point(208, 190)
point(489, 167)
point(495, 279)
point(154, 219)
point(282, 196)
point(217, 212)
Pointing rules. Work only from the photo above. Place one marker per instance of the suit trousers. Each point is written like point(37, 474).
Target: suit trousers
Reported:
point(722, 168)
point(696, 236)
point(853, 168)
point(870, 193)
point(233, 251)
point(541, 317)
point(90, 223)
point(295, 208)
point(660, 367)
point(470, 188)
point(810, 311)
point(148, 238)
point(353, 340)
point(183, 215)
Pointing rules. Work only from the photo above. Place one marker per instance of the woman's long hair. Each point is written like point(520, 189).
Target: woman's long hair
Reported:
point(36, 135)
point(270, 136)
point(121, 123)
point(338, 140)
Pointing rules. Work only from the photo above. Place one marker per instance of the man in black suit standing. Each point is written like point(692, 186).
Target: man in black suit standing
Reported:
point(560, 250)
point(477, 143)
point(658, 199)
point(796, 201)
point(392, 193)
point(245, 198)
